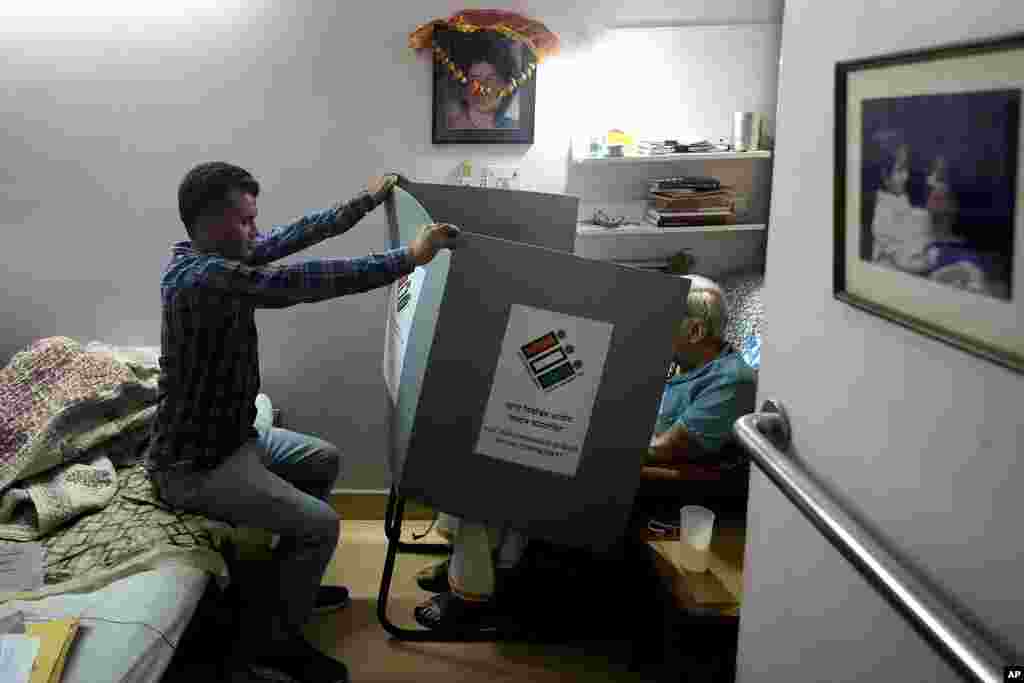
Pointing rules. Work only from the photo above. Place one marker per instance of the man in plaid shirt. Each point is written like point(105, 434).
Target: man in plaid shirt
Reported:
point(205, 454)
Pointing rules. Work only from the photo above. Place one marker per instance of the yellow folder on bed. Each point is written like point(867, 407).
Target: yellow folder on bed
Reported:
point(55, 638)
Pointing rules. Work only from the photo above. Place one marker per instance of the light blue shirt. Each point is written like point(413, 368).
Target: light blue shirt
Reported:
point(708, 400)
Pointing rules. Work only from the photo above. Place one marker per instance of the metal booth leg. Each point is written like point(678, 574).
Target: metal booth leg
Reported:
point(393, 531)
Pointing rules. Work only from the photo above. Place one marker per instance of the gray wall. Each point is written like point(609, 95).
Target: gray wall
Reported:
point(923, 439)
point(102, 115)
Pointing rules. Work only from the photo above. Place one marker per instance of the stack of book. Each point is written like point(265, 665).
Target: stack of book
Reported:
point(646, 148)
point(689, 183)
point(691, 201)
point(698, 146)
point(657, 147)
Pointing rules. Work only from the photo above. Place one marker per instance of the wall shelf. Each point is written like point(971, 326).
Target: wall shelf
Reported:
point(667, 158)
point(634, 230)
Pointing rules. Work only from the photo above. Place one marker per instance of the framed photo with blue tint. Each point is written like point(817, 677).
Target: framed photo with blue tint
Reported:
point(484, 88)
point(929, 193)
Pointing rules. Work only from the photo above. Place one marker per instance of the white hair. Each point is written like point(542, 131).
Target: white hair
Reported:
point(705, 302)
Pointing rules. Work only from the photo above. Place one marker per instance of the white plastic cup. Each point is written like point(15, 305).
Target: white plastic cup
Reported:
point(746, 131)
point(696, 524)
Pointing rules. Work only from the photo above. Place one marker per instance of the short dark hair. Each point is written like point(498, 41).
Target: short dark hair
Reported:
point(208, 187)
point(496, 51)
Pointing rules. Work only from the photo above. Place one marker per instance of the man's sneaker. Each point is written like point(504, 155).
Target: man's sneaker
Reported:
point(299, 659)
point(330, 599)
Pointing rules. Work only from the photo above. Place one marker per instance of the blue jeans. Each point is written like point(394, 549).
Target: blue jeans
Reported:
point(279, 482)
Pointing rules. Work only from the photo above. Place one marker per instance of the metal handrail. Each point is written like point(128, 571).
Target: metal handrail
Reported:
point(955, 640)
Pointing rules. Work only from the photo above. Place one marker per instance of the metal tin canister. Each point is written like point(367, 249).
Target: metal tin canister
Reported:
point(746, 131)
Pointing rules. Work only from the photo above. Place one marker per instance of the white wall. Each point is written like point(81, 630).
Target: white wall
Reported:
point(682, 83)
point(102, 115)
point(923, 438)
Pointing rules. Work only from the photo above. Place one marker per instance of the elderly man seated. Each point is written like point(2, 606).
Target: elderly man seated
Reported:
point(708, 388)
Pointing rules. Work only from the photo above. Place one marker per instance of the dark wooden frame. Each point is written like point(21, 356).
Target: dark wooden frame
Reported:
point(527, 94)
point(842, 71)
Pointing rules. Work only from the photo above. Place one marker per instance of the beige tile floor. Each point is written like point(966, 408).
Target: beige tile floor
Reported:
point(355, 636)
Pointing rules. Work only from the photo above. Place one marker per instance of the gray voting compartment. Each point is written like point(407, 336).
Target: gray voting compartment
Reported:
point(525, 382)
point(538, 218)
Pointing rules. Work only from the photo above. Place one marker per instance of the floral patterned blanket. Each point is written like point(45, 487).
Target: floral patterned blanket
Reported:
point(133, 522)
point(65, 411)
point(34, 508)
point(58, 400)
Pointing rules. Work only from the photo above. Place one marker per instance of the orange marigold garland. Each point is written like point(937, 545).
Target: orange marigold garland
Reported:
point(541, 43)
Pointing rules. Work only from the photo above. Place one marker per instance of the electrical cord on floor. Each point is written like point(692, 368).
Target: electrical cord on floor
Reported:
point(132, 623)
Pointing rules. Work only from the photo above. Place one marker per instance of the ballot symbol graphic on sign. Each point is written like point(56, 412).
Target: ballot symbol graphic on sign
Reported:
point(404, 293)
point(548, 361)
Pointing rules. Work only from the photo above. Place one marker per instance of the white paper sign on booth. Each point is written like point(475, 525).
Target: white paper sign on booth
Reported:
point(401, 307)
point(543, 391)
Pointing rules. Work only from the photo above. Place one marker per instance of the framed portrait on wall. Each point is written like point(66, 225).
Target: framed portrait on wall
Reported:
point(929, 198)
point(480, 92)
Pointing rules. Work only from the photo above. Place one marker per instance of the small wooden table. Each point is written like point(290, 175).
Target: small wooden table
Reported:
point(715, 593)
point(699, 624)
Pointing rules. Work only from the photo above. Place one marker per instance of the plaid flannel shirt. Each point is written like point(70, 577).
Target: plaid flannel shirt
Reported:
point(209, 360)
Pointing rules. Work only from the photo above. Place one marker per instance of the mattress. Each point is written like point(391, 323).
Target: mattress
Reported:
point(129, 628)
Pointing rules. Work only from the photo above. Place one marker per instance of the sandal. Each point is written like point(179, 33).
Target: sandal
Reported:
point(448, 611)
point(433, 579)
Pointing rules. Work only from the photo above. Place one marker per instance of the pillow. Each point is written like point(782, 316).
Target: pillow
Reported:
point(742, 292)
point(751, 351)
point(264, 413)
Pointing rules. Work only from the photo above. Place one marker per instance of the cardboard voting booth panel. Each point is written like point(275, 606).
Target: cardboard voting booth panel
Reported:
point(542, 219)
point(537, 218)
point(525, 382)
